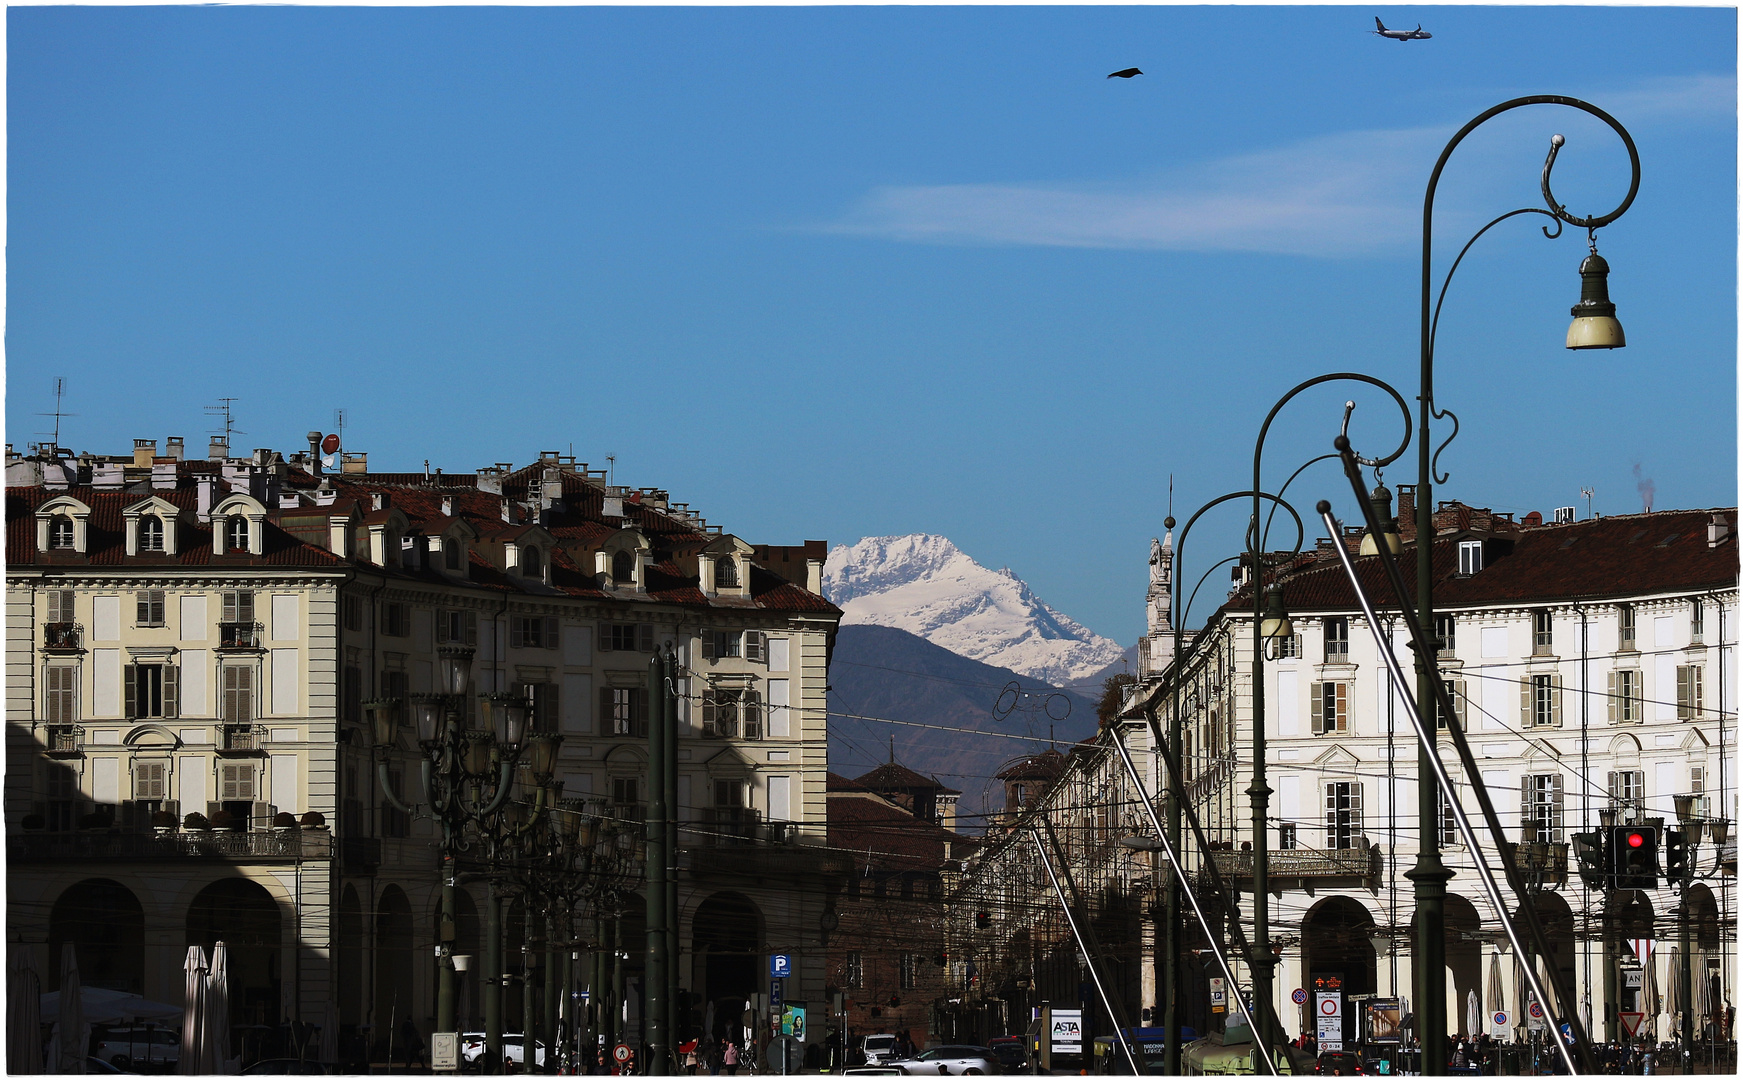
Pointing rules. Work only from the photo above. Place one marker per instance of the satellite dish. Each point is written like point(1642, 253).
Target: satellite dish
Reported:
point(330, 444)
point(327, 461)
point(635, 497)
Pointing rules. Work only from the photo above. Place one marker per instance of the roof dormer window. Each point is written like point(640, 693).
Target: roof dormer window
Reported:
point(1470, 557)
point(531, 563)
point(151, 527)
point(451, 554)
point(726, 573)
point(60, 533)
point(236, 533)
point(60, 525)
point(151, 534)
point(623, 568)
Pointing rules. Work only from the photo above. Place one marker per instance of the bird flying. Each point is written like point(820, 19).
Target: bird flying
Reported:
point(1126, 74)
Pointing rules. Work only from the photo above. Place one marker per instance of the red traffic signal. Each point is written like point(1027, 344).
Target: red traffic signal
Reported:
point(1635, 839)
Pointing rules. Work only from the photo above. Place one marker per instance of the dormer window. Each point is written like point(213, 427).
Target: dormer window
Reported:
point(726, 573)
point(623, 568)
point(530, 562)
point(151, 534)
point(1470, 557)
point(451, 554)
point(60, 525)
point(236, 533)
point(60, 534)
point(150, 527)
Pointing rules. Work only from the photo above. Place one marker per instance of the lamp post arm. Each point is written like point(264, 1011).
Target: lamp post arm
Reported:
point(387, 788)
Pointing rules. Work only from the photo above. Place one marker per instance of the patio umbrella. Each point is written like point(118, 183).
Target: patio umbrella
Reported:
point(1673, 1002)
point(1496, 995)
point(193, 1008)
point(23, 1014)
point(1473, 1014)
point(73, 1040)
point(1521, 992)
point(330, 1033)
point(216, 1048)
point(1649, 997)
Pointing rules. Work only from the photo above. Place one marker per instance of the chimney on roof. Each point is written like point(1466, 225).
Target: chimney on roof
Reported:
point(143, 451)
point(490, 480)
point(314, 438)
point(205, 486)
point(219, 450)
point(1717, 530)
point(354, 463)
point(163, 475)
point(173, 447)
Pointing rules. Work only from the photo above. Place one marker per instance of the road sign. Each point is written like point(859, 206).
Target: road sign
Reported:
point(1219, 995)
point(775, 990)
point(1631, 1021)
point(445, 1051)
point(1641, 948)
point(621, 1053)
point(1536, 1011)
point(1500, 1019)
point(1299, 996)
point(780, 966)
point(1330, 1005)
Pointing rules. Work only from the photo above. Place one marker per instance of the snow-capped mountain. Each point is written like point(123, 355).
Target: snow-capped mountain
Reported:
point(925, 585)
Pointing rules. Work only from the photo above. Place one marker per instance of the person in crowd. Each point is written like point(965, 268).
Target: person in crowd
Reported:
point(729, 1057)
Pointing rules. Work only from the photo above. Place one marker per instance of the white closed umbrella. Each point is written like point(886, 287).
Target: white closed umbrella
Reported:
point(1649, 996)
point(193, 1009)
point(217, 1018)
point(73, 1040)
point(23, 1014)
point(1473, 1014)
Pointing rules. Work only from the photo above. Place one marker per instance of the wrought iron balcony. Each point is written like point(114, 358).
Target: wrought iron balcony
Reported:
point(66, 740)
point(242, 739)
point(63, 637)
point(290, 845)
point(724, 826)
point(1305, 868)
point(239, 635)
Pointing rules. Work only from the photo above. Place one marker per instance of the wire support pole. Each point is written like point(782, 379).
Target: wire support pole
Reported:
point(1186, 890)
point(1090, 958)
point(1562, 1008)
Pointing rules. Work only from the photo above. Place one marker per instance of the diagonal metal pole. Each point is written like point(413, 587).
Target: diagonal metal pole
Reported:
point(1562, 1008)
point(1116, 1008)
point(1186, 890)
point(1090, 957)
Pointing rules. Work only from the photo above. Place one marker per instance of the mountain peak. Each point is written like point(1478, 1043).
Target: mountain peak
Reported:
point(926, 585)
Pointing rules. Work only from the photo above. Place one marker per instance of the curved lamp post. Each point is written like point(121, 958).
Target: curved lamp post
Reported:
point(467, 771)
point(1594, 327)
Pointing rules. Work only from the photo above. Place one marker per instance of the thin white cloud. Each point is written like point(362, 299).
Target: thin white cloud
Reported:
point(1336, 195)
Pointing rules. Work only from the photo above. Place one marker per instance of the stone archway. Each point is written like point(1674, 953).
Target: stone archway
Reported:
point(1464, 962)
point(1336, 948)
point(393, 965)
point(246, 918)
point(728, 943)
point(106, 924)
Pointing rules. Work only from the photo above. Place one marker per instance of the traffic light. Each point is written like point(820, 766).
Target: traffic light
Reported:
point(1589, 851)
point(1633, 857)
point(1676, 854)
point(983, 919)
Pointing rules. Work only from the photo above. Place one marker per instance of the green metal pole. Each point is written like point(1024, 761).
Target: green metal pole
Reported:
point(614, 1025)
point(673, 952)
point(445, 1008)
point(529, 1015)
point(654, 976)
point(553, 991)
point(1171, 904)
point(493, 972)
point(1686, 977)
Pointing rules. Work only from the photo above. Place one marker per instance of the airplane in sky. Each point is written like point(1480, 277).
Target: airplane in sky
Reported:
point(1400, 35)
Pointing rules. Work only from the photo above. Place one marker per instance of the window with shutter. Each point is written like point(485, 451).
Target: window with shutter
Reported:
point(235, 783)
point(623, 711)
point(1343, 814)
point(1330, 707)
point(60, 533)
point(1542, 633)
point(1455, 689)
point(238, 693)
point(354, 613)
point(753, 714)
point(646, 634)
point(1449, 825)
point(1337, 640)
point(756, 646)
point(1446, 629)
point(1688, 692)
point(149, 607)
point(61, 706)
point(1540, 812)
point(1625, 628)
point(148, 780)
point(1539, 701)
point(60, 605)
point(1697, 621)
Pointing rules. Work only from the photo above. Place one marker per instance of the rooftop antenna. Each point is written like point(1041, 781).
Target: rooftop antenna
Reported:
point(1170, 494)
point(60, 389)
point(1588, 493)
point(892, 749)
point(611, 470)
point(223, 409)
point(339, 425)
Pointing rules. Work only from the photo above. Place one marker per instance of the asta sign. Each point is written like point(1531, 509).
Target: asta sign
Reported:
point(1066, 1032)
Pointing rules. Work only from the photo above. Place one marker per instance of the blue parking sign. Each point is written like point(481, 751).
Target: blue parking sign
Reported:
point(780, 966)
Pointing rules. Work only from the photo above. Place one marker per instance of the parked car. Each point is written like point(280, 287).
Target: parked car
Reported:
point(139, 1049)
point(951, 1061)
point(1012, 1055)
point(513, 1050)
point(1339, 1063)
point(97, 1066)
point(877, 1049)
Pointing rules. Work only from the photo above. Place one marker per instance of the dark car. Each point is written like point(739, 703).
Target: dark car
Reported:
point(1013, 1056)
point(1339, 1063)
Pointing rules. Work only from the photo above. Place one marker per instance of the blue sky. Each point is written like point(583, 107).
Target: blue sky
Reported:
point(837, 272)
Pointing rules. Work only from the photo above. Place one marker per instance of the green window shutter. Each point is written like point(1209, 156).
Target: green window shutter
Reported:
point(1685, 692)
point(1527, 707)
point(130, 691)
point(171, 690)
point(1555, 698)
point(1613, 701)
point(1316, 708)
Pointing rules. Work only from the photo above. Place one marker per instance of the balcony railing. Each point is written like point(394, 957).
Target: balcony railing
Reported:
point(239, 635)
point(289, 844)
point(66, 740)
point(242, 739)
point(724, 826)
point(1304, 867)
point(63, 637)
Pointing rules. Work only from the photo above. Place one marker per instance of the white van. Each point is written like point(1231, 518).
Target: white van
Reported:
point(878, 1048)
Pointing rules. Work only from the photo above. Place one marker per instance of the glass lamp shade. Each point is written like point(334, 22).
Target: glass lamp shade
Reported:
point(1721, 831)
point(477, 755)
point(586, 831)
point(508, 718)
point(544, 753)
point(427, 712)
point(1382, 502)
point(383, 721)
point(456, 663)
point(1607, 818)
point(1595, 325)
point(1692, 830)
point(1685, 808)
point(462, 962)
point(1274, 623)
